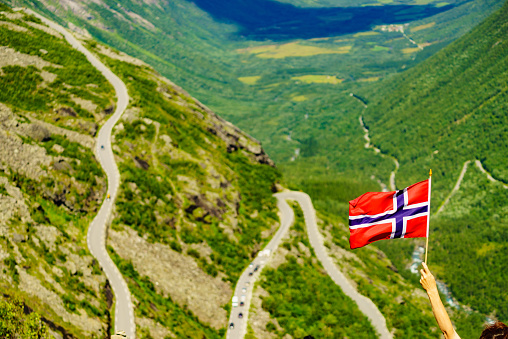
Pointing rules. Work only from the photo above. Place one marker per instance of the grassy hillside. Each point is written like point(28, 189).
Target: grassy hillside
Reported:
point(444, 112)
point(52, 102)
point(295, 296)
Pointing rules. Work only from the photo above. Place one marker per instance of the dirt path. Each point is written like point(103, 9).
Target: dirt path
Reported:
point(378, 151)
point(461, 177)
point(478, 164)
point(456, 188)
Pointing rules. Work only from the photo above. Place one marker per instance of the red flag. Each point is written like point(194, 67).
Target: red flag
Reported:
point(388, 215)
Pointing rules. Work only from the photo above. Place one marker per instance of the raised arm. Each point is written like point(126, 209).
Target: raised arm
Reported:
point(443, 320)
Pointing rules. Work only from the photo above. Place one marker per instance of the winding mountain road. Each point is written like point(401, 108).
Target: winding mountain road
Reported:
point(96, 238)
point(365, 305)
point(316, 240)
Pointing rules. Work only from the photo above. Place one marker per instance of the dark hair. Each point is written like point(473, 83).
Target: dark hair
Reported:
point(497, 330)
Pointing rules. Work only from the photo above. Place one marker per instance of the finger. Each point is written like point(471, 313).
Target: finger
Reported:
point(425, 266)
point(424, 274)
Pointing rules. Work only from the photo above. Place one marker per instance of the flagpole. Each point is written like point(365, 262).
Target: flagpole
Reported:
point(428, 219)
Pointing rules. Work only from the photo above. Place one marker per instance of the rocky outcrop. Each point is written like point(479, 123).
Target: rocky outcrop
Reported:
point(153, 328)
point(73, 136)
point(29, 160)
point(234, 138)
point(12, 204)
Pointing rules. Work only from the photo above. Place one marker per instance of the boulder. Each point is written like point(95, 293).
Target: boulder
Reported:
point(38, 132)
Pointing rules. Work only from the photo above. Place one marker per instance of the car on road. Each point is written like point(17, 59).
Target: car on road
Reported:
point(244, 290)
point(265, 253)
point(251, 273)
point(247, 283)
point(240, 315)
point(242, 303)
point(231, 326)
point(235, 301)
point(242, 298)
point(256, 268)
point(102, 146)
point(250, 266)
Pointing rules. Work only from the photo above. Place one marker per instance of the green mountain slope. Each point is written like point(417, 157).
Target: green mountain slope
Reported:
point(444, 112)
point(196, 199)
point(205, 57)
point(196, 192)
point(52, 102)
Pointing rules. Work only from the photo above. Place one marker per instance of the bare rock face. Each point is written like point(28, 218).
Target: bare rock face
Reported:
point(155, 329)
point(22, 158)
point(82, 139)
point(14, 154)
point(32, 286)
point(140, 163)
point(62, 165)
point(9, 56)
point(12, 204)
point(90, 127)
point(176, 275)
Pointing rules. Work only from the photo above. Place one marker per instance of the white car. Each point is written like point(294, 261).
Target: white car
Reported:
point(265, 253)
point(244, 290)
point(242, 298)
point(235, 301)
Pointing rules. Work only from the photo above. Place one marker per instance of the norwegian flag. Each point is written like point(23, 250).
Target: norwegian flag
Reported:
point(377, 216)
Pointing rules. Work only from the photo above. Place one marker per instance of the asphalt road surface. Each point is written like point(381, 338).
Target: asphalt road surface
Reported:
point(245, 283)
point(124, 314)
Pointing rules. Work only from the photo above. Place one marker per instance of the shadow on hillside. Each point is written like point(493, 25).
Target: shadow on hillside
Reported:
point(267, 19)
